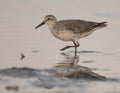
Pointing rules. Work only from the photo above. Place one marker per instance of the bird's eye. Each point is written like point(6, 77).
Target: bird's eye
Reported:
point(48, 19)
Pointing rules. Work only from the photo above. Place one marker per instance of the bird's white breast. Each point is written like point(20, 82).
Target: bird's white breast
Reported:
point(63, 35)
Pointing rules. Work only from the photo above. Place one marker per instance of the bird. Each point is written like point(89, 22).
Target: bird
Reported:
point(71, 29)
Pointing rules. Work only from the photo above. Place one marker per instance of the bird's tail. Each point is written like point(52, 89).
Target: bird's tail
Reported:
point(101, 24)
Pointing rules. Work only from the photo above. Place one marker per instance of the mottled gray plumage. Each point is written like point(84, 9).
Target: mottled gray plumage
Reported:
point(78, 26)
point(71, 30)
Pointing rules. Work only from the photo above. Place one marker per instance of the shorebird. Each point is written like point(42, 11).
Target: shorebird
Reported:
point(71, 30)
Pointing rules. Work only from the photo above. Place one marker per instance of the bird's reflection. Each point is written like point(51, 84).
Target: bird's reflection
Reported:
point(69, 61)
point(71, 69)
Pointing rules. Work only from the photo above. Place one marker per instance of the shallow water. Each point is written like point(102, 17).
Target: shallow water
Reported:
point(100, 52)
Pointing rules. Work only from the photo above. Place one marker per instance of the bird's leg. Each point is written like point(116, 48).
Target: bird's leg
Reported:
point(76, 45)
point(66, 47)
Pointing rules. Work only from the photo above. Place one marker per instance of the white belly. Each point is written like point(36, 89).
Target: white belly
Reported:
point(64, 35)
point(68, 35)
point(85, 34)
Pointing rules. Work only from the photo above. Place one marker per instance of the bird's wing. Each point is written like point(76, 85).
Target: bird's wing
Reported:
point(77, 26)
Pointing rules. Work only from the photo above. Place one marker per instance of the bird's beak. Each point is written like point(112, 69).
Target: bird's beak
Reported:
point(40, 25)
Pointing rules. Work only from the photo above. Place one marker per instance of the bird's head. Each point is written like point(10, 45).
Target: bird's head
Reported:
point(49, 20)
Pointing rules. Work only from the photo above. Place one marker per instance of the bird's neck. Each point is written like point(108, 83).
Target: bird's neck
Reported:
point(51, 26)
